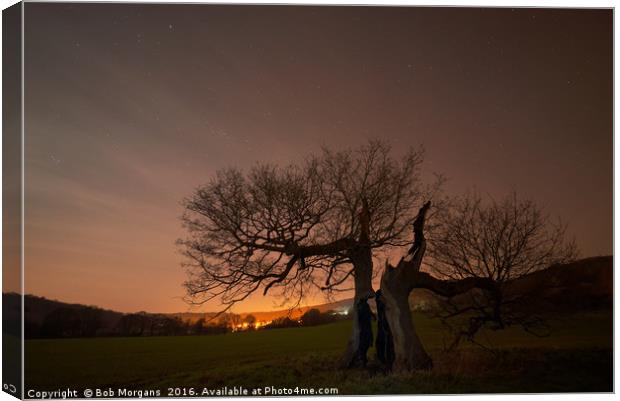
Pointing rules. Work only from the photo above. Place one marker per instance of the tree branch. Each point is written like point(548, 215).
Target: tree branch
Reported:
point(451, 288)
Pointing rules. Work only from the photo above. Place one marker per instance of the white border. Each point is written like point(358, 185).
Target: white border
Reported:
point(462, 3)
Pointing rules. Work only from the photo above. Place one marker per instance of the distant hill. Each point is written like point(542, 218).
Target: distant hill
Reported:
point(585, 284)
point(581, 285)
point(41, 312)
point(338, 306)
point(38, 308)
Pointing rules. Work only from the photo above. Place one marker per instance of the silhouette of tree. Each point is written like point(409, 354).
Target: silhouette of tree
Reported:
point(71, 322)
point(312, 317)
point(91, 320)
point(62, 322)
point(301, 227)
point(168, 326)
point(406, 351)
point(134, 324)
point(199, 326)
point(476, 250)
point(250, 320)
point(229, 320)
point(500, 241)
point(282, 322)
point(319, 224)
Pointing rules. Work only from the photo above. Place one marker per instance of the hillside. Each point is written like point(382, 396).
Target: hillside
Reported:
point(38, 308)
point(582, 285)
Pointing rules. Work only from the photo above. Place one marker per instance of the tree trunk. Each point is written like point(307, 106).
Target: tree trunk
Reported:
point(361, 335)
point(407, 350)
point(396, 285)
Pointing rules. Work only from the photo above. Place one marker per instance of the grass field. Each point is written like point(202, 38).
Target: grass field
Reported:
point(577, 356)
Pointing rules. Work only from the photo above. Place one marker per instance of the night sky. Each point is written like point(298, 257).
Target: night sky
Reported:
point(130, 107)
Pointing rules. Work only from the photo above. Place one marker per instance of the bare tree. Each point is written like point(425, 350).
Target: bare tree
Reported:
point(476, 252)
point(301, 227)
point(500, 241)
point(398, 344)
point(250, 320)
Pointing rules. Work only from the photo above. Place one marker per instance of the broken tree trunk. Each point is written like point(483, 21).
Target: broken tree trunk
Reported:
point(396, 285)
point(406, 351)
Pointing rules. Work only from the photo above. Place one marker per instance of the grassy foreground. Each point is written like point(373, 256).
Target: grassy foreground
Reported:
point(577, 356)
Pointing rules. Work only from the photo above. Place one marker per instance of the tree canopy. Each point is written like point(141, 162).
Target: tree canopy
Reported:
point(293, 229)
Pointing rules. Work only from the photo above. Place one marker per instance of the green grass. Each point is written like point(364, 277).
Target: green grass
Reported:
point(577, 356)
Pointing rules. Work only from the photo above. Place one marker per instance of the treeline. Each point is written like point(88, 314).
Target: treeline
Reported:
point(312, 317)
point(69, 322)
point(58, 320)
